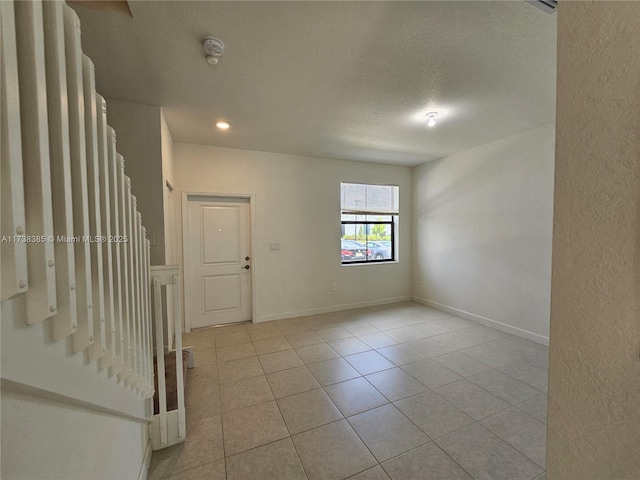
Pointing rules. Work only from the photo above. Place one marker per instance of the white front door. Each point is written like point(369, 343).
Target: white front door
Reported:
point(218, 272)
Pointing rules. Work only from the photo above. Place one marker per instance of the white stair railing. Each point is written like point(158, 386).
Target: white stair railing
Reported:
point(167, 427)
point(12, 221)
point(73, 243)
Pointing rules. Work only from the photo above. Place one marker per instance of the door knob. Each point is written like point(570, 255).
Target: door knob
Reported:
point(246, 258)
point(247, 267)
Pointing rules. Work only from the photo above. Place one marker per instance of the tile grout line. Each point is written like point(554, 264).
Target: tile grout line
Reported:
point(499, 439)
point(290, 437)
point(224, 450)
point(313, 326)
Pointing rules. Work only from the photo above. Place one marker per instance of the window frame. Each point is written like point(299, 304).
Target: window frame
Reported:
point(369, 203)
point(392, 223)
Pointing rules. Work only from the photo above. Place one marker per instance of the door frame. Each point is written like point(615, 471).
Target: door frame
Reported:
point(186, 196)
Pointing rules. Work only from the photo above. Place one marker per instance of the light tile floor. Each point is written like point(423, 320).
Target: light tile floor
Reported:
point(395, 392)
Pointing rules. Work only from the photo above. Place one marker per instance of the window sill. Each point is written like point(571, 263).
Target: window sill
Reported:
point(368, 264)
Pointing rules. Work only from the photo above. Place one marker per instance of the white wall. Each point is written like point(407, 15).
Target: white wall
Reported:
point(43, 438)
point(594, 368)
point(139, 135)
point(48, 439)
point(482, 232)
point(297, 201)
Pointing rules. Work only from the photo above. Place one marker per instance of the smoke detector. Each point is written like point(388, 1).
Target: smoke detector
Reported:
point(213, 48)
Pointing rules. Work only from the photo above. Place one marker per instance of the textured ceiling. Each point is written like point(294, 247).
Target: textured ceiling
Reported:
point(348, 80)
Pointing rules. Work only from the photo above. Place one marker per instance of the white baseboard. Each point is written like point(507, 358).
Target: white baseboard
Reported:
point(146, 462)
point(333, 308)
point(485, 321)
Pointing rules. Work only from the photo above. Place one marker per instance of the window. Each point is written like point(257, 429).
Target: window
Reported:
point(369, 216)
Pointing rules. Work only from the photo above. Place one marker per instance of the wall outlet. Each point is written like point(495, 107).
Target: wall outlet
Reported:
point(334, 287)
point(419, 280)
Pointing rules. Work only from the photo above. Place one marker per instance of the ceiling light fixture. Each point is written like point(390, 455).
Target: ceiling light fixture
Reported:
point(431, 119)
point(223, 125)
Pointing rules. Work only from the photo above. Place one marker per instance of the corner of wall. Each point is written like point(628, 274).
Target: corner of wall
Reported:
point(594, 370)
point(482, 228)
point(138, 129)
point(167, 149)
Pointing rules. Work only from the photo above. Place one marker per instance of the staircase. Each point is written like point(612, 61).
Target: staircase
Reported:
point(76, 283)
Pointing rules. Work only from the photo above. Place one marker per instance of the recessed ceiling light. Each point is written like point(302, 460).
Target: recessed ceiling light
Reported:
point(431, 119)
point(223, 125)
